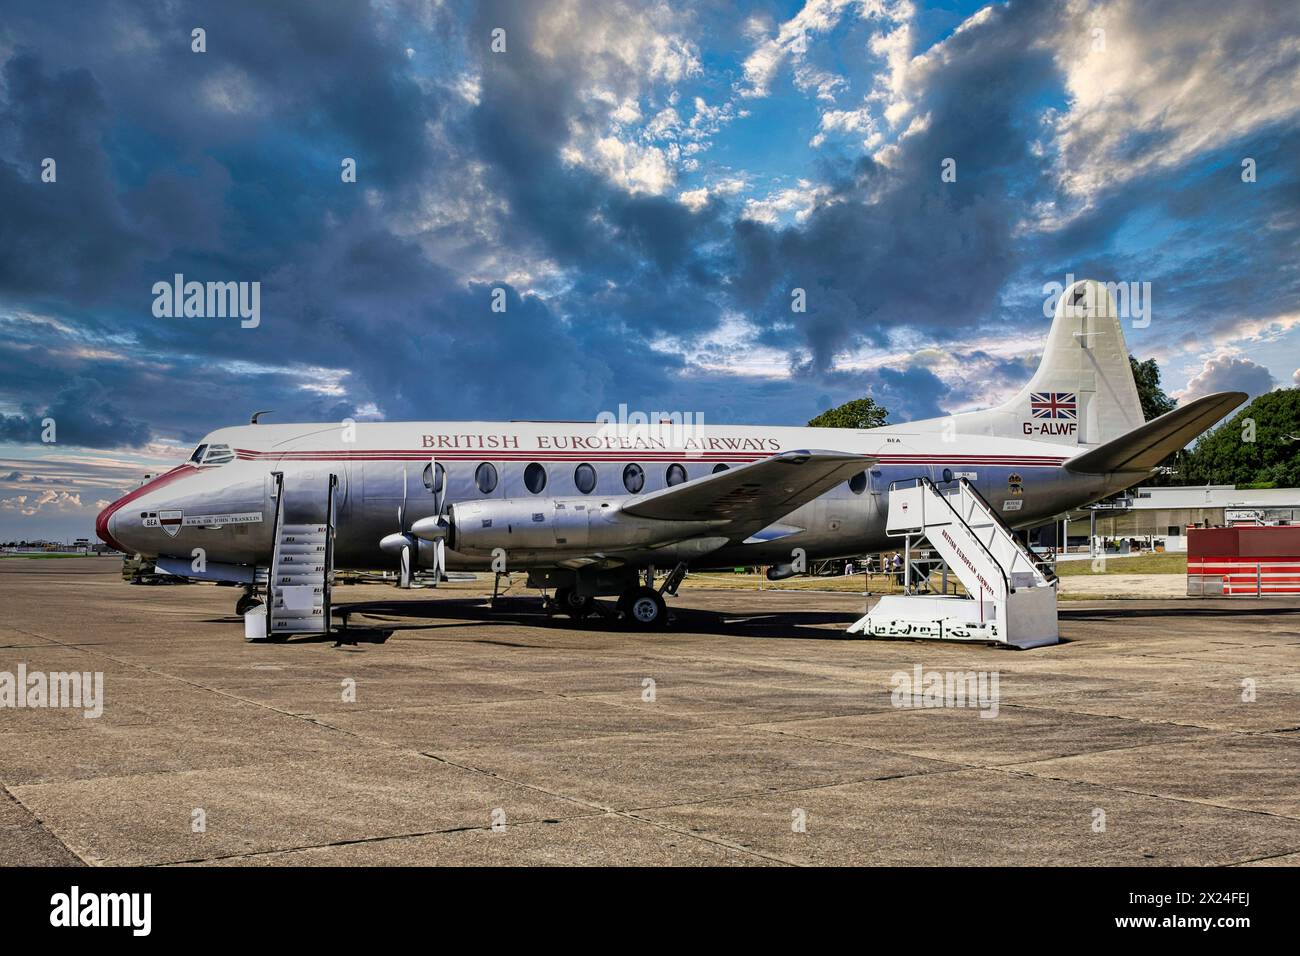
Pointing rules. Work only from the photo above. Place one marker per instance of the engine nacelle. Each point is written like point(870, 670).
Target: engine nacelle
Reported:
point(559, 524)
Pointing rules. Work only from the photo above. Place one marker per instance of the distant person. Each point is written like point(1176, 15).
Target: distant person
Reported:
point(896, 565)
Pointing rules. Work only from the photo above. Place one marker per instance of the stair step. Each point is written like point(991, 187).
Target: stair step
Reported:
point(300, 575)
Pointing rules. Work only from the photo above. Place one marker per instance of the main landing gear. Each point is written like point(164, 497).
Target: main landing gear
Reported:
point(572, 603)
point(644, 608)
point(640, 605)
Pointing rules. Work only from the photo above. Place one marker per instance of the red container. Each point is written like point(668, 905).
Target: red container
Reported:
point(1246, 561)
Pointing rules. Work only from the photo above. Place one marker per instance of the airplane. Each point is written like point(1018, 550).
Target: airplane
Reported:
point(591, 509)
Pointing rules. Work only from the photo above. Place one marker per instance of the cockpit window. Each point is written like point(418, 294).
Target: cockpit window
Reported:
point(197, 457)
point(218, 455)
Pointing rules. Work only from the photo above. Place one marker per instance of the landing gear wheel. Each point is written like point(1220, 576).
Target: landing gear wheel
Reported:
point(572, 603)
point(246, 604)
point(644, 609)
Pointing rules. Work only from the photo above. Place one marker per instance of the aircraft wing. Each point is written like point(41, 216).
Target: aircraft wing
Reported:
point(1148, 445)
point(751, 497)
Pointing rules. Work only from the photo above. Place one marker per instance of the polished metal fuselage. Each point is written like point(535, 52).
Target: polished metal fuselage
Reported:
point(384, 487)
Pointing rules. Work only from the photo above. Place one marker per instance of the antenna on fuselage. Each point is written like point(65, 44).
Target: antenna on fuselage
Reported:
point(253, 420)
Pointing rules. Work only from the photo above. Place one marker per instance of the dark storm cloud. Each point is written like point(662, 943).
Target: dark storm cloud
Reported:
point(84, 413)
point(897, 247)
point(225, 166)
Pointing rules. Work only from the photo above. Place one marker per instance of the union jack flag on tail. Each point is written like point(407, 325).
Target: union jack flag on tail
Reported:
point(1053, 405)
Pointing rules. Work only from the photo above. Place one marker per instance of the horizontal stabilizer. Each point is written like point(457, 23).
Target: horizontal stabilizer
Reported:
point(1147, 445)
point(751, 497)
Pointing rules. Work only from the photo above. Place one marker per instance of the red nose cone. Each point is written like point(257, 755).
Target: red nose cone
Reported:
point(101, 527)
point(103, 524)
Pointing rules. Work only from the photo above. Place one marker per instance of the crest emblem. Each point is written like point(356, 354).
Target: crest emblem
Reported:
point(170, 521)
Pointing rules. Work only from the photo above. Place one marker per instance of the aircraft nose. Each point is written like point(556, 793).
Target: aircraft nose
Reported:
point(106, 526)
point(113, 522)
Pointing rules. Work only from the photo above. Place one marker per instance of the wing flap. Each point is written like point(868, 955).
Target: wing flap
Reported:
point(1147, 445)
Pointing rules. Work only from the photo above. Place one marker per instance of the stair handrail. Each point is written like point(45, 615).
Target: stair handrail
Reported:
point(926, 482)
point(1025, 550)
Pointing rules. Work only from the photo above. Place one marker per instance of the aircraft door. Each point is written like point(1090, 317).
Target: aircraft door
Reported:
point(386, 486)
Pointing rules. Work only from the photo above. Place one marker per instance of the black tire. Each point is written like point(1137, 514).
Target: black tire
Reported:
point(573, 604)
point(644, 609)
point(246, 604)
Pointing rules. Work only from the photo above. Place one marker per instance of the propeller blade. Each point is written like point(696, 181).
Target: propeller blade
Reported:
point(402, 546)
point(404, 574)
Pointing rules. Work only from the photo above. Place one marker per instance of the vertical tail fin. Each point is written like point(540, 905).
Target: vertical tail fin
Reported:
point(1083, 393)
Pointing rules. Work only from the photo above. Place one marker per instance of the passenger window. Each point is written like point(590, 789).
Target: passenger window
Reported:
point(675, 475)
point(858, 483)
point(634, 479)
point(485, 476)
point(584, 476)
point(434, 478)
point(720, 466)
point(535, 478)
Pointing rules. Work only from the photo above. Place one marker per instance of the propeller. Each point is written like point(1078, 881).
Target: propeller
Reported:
point(434, 529)
point(401, 543)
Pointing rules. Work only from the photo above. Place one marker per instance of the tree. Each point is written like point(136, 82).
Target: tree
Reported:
point(859, 413)
point(1146, 375)
point(1258, 446)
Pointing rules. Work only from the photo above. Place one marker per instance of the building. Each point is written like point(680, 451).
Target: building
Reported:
point(1161, 516)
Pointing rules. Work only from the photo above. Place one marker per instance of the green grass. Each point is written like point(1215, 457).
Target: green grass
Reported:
point(1138, 564)
point(42, 555)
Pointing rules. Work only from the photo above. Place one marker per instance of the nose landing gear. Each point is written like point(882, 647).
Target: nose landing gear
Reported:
point(246, 603)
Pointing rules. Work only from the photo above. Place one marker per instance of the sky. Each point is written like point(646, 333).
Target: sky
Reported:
point(564, 206)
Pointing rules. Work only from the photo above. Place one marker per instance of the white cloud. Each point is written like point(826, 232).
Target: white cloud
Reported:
point(626, 60)
point(697, 199)
point(1227, 372)
point(800, 200)
point(1178, 77)
point(792, 39)
point(638, 169)
point(848, 121)
point(29, 505)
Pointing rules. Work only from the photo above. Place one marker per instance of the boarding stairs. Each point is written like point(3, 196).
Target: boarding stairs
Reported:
point(1010, 596)
point(302, 563)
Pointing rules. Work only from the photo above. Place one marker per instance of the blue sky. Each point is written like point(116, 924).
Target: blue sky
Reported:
point(646, 182)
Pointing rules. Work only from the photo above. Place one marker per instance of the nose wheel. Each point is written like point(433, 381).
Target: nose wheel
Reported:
point(644, 608)
point(246, 603)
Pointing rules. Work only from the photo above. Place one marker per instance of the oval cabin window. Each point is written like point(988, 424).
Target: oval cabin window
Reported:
point(634, 479)
point(535, 478)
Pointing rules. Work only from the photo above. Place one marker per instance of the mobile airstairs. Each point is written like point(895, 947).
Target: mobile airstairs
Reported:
point(1010, 599)
point(302, 562)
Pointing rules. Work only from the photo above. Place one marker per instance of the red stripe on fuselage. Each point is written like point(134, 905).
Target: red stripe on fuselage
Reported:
point(620, 454)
